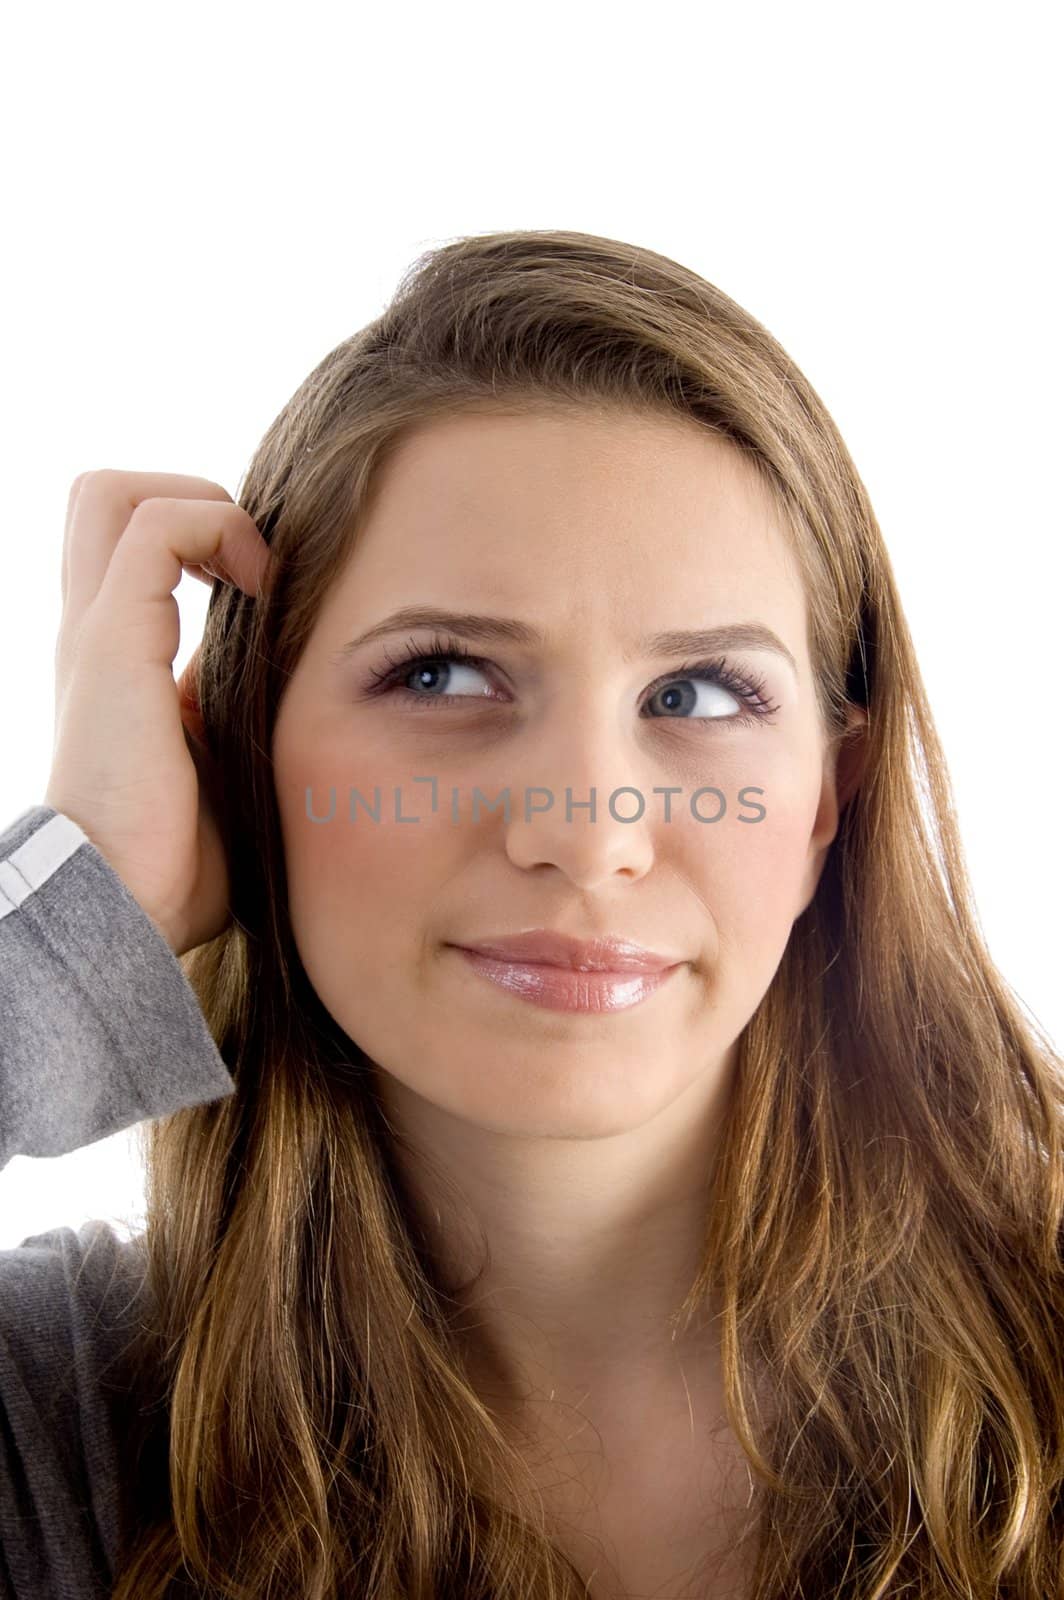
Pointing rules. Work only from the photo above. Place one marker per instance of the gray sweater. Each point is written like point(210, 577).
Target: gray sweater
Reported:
point(99, 1029)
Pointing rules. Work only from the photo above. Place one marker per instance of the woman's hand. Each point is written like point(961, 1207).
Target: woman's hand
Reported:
point(129, 765)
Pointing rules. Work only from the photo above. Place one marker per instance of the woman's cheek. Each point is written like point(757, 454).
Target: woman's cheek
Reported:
point(754, 873)
point(357, 874)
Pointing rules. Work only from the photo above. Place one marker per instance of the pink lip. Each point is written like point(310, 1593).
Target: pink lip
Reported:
point(542, 947)
point(568, 988)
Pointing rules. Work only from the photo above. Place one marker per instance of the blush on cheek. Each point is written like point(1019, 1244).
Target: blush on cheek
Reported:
point(760, 878)
point(371, 883)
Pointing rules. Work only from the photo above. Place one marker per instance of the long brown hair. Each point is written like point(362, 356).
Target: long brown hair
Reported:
point(885, 1230)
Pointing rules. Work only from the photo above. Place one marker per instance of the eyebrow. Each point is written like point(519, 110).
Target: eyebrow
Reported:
point(507, 630)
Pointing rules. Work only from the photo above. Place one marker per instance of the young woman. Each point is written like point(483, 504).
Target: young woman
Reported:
point(591, 1149)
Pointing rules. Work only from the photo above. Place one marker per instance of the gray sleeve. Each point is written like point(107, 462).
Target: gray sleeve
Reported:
point(69, 1300)
point(99, 1027)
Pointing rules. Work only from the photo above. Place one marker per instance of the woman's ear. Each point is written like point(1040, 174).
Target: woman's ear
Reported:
point(844, 764)
point(845, 757)
point(188, 698)
point(851, 755)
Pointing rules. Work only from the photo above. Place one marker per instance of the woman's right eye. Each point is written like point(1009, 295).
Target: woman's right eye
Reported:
point(424, 662)
point(437, 665)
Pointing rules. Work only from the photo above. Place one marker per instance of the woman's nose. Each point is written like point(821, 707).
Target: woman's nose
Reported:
point(584, 808)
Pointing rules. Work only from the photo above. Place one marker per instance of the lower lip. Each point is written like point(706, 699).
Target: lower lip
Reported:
point(562, 989)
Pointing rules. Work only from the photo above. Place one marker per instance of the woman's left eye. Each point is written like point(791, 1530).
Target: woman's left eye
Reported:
point(679, 694)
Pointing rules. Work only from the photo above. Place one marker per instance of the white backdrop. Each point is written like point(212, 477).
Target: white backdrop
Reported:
point(201, 201)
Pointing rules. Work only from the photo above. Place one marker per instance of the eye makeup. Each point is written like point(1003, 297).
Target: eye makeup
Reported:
point(749, 689)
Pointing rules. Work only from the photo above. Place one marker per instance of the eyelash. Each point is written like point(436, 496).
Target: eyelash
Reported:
point(747, 688)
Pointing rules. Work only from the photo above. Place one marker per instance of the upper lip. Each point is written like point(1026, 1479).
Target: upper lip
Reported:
point(543, 947)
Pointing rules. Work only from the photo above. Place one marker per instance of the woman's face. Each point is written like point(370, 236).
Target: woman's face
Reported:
point(597, 533)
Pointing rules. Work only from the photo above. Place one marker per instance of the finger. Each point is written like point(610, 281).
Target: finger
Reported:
point(135, 611)
point(205, 573)
point(101, 506)
point(72, 500)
